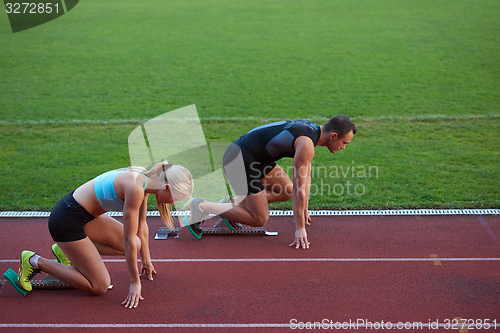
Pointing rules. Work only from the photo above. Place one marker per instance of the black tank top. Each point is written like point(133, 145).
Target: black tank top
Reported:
point(271, 142)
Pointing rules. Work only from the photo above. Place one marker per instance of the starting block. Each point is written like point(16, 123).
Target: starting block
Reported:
point(184, 234)
point(10, 287)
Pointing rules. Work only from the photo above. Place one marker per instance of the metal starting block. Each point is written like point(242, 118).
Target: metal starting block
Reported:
point(10, 286)
point(184, 234)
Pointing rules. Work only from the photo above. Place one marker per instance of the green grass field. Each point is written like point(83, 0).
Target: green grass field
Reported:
point(421, 79)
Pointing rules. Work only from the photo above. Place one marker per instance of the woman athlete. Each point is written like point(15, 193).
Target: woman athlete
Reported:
point(83, 232)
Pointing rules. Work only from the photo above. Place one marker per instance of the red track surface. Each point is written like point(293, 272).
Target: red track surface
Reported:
point(352, 281)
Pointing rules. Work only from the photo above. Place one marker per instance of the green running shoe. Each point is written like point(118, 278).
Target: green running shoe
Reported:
point(60, 256)
point(26, 270)
point(194, 228)
point(232, 225)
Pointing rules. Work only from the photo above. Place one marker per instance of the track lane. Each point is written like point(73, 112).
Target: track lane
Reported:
point(269, 292)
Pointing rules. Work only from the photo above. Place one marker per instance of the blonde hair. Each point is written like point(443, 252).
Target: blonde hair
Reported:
point(178, 177)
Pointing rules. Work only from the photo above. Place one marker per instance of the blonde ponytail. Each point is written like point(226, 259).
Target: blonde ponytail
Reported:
point(177, 176)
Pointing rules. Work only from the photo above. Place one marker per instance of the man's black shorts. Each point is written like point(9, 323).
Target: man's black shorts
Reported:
point(243, 171)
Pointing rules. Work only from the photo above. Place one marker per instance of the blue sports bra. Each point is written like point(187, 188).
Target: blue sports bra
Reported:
point(105, 191)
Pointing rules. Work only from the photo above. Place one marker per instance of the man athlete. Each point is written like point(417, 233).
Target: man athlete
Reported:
point(254, 155)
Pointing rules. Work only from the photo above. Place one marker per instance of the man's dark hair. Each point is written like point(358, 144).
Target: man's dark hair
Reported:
point(340, 125)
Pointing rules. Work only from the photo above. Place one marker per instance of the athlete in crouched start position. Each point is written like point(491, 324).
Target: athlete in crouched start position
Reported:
point(257, 180)
point(83, 232)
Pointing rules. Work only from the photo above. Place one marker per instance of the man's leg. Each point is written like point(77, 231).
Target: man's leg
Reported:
point(278, 186)
point(253, 209)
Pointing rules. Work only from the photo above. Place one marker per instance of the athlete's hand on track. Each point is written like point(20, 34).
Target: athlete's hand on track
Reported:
point(300, 239)
point(307, 218)
point(134, 296)
point(148, 269)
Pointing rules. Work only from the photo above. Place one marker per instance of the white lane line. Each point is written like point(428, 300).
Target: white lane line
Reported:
point(210, 260)
point(354, 325)
point(409, 212)
point(141, 325)
point(314, 259)
point(259, 119)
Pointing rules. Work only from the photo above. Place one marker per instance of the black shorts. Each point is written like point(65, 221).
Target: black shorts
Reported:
point(243, 171)
point(68, 219)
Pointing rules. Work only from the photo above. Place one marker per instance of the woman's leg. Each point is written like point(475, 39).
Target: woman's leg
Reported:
point(107, 235)
point(87, 273)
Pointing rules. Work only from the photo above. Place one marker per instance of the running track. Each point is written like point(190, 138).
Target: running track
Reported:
point(359, 269)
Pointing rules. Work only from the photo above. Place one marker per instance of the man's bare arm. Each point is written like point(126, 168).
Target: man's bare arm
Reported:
point(304, 153)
